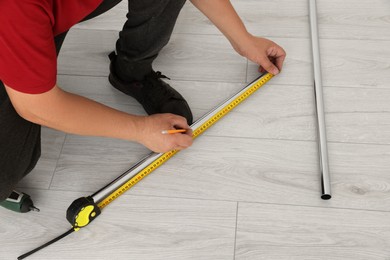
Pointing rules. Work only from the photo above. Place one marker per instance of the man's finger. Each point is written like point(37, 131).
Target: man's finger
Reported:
point(279, 62)
point(269, 66)
point(277, 56)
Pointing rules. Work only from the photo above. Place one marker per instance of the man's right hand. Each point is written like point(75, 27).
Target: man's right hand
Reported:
point(149, 132)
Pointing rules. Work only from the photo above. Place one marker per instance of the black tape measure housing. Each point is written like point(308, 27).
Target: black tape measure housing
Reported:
point(82, 211)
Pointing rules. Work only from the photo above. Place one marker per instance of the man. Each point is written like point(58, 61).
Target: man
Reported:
point(31, 36)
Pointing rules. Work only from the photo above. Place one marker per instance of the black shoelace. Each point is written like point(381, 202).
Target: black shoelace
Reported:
point(157, 90)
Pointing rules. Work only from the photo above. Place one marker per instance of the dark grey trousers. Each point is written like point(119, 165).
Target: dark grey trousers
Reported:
point(147, 30)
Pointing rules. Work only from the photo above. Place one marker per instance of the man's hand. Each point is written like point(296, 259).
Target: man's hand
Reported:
point(264, 52)
point(149, 132)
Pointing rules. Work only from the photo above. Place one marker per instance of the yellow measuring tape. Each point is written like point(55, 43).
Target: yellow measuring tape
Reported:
point(166, 156)
point(83, 210)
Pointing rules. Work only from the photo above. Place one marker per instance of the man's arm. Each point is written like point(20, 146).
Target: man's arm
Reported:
point(74, 114)
point(221, 13)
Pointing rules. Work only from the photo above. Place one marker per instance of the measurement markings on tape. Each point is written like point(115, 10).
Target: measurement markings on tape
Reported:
point(137, 178)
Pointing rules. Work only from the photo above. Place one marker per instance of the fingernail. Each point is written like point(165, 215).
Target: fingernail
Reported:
point(275, 71)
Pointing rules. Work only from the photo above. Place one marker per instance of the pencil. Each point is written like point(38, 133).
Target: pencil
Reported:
point(173, 131)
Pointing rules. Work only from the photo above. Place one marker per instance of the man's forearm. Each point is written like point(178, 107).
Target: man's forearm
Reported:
point(77, 115)
point(223, 15)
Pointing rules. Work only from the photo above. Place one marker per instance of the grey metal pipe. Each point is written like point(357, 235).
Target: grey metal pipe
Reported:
point(319, 102)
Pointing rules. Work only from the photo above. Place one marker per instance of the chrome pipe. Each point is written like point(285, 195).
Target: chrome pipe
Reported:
point(319, 102)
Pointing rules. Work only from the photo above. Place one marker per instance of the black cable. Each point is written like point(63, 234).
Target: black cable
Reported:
point(47, 244)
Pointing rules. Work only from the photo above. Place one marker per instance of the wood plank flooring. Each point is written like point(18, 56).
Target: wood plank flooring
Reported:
point(249, 188)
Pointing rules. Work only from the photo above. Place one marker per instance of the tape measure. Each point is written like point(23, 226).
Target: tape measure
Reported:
point(222, 111)
point(80, 215)
point(85, 209)
point(81, 212)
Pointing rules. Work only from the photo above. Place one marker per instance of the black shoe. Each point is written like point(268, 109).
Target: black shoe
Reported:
point(152, 93)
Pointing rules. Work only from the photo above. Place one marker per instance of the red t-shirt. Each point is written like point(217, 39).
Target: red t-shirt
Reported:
point(28, 60)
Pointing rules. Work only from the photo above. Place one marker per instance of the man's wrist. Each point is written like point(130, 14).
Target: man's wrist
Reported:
point(240, 41)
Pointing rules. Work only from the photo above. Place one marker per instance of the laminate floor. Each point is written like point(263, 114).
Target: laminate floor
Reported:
point(249, 187)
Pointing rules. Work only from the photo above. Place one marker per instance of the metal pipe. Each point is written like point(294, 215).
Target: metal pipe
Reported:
point(319, 101)
point(123, 178)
